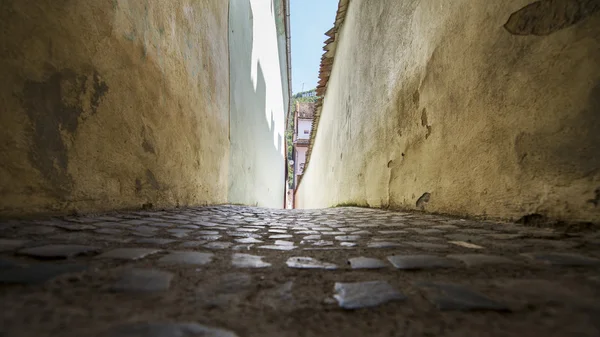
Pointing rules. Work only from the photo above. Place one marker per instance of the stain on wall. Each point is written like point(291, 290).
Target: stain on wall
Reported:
point(490, 122)
point(112, 104)
point(548, 16)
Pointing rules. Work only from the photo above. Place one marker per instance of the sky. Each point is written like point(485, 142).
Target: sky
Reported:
point(309, 20)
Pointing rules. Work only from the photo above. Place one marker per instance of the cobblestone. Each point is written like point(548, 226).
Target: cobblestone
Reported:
point(458, 297)
point(184, 261)
point(38, 273)
point(412, 262)
point(59, 251)
point(195, 258)
point(143, 280)
point(302, 262)
point(365, 294)
point(167, 330)
point(128, 253)
point(366, 263)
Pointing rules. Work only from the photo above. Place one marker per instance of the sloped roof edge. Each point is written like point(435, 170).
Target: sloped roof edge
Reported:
point(325, 70)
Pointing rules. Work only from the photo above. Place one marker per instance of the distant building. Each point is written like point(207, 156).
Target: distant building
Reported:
point(303, 119)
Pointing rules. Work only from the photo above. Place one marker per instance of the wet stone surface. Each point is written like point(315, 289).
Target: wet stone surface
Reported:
point(128, 253)
point(473, 260)
point(38, 273)
point(301, 262)
point(248, 261)
point(410, 262)
point(266, 272)
point(167, 330)
point(143, 280)
point(365, 294)
point(59, 251)
point(458, 297)
point(180, 257)
point(366, 263)
point(563, 259)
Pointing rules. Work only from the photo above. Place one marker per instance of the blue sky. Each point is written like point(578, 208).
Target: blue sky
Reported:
point(309, 21)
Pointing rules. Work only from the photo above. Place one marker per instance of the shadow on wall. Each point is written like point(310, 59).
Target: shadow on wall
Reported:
point(255, 161)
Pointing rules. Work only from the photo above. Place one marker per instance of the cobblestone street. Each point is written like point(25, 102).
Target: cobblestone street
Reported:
point(244, 271)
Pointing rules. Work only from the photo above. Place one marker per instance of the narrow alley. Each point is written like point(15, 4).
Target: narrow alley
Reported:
point(246, 271)
point(299, 168)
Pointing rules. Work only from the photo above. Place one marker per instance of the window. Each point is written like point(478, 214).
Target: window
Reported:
point(306, 132)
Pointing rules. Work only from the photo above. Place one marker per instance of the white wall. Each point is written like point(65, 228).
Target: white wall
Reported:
point(490, 119)
point(258, 102)
point(304, 125)
point(300, 158)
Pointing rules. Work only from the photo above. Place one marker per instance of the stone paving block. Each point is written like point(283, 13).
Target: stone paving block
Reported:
point(283, 243)
point(113, 225)
point(393, 232)
point(303, 262)
point(444, 227)
point(347, 237)
point(38, 273)
point(144, 229)
point(182, 257)
point(426, 245)
point(207, 232)
point(366, 263)
point(143, 280)
point(189, 226)
point(7, 245)
point(276, 247)
point(136, 222)
point(320, 243)
point(248, 240)
point(218, 245)
point(505, 236)
point(160, 224)
point(543, 292)
point(463, 237)
point(348, 244)
point(413, 262)
point(166, 329)
point(466, 244)
point(281, 236)
point(472, 260)
point(109, 231)
point(361, 232)
point(7, 264)
point(36, 230)
point(128, 253)
point(365, 294)
point(308, 232)
point(156, 241)
point(428, 231)
point(332, 233)
point(244, 246)
point(458, 297)
point(248, 261)
point(312, 237)
point(279, 298)
point(209, 237)
point(384, 244)
point(244, 235)
point(58, 251)
point(281, 231)
point(563, 259)
point(74, 227)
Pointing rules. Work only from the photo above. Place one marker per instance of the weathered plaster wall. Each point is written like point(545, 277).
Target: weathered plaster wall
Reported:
point(259, 101)
point(112, 104)
point(491, 107)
